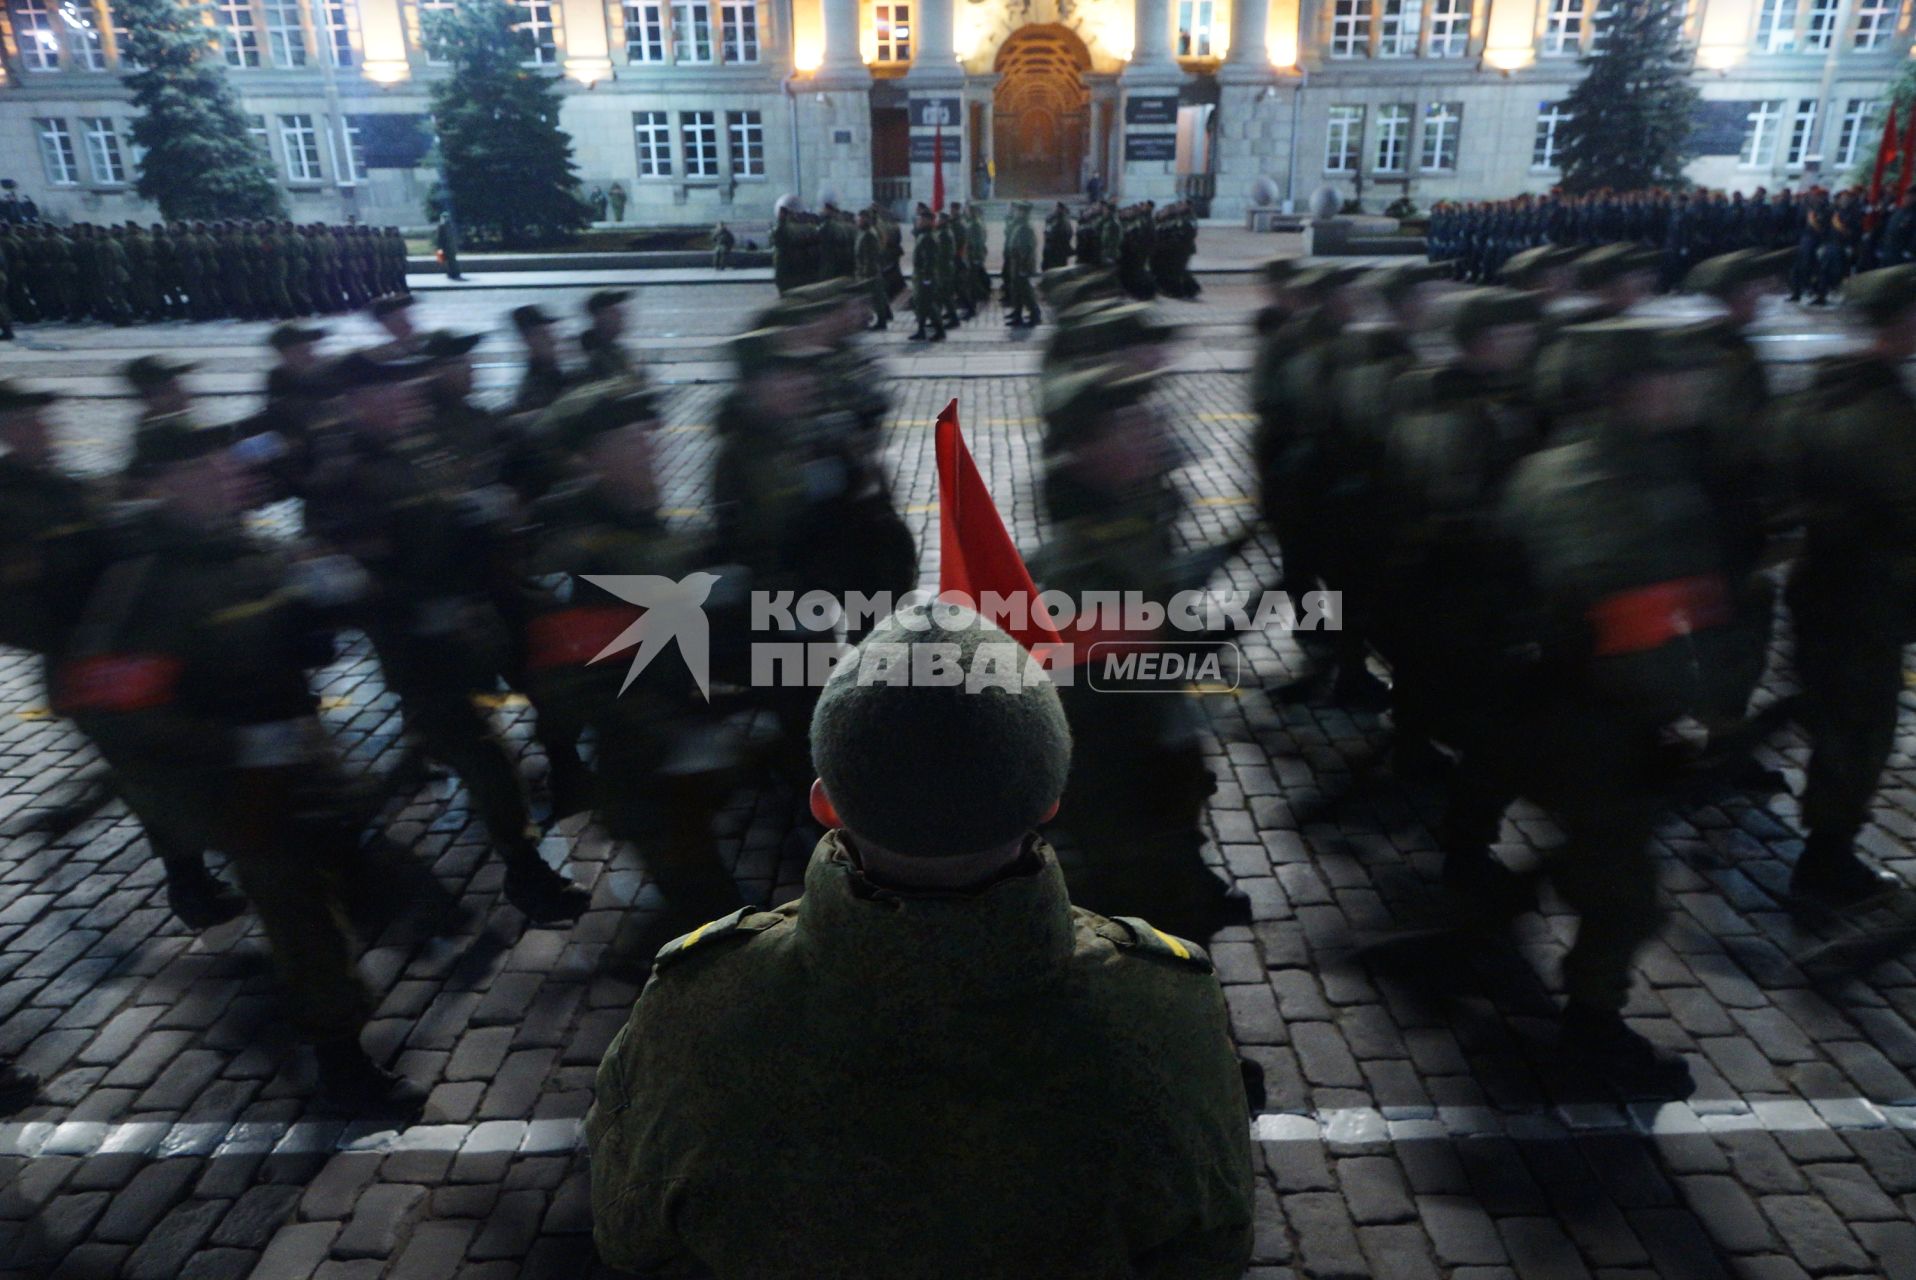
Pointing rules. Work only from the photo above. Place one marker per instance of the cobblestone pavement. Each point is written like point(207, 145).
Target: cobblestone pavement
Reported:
point(1417, 1125)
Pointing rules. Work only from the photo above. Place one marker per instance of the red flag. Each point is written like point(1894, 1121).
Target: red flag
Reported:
point(975, 554)
point(1908, 159)
point(1884, 150)
point(938, 202)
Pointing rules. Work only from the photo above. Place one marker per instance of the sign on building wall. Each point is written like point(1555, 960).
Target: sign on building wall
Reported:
point(393, 141)
point(1150, 146)
point(1717, 128)
point(1155, 109)
point(922, 145)
point(929, 113)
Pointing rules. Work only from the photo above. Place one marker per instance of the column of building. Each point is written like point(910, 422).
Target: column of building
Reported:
point(935, 86)
point(1149, 119)
point(834, 114)
point(1255, 114)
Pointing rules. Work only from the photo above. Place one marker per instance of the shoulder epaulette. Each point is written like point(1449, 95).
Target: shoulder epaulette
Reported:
point(742, 923)
point(1141, 937)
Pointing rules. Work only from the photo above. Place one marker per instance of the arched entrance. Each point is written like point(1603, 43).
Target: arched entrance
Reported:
point(1040, 113)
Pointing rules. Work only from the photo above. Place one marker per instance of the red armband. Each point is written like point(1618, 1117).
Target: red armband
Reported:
point(573, 637)
point(116, 682)
point(1646, 618)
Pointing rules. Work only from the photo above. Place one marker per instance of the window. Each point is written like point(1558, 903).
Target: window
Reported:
point(119, 40)
point(354, 168)
point(300, 141)
point(655, 143)
point(1194, 28)
point(1849, 138)
point(256, 130)
point(1342, 139)
point(645, 32)
point(285, 34)
point(33, 30)
point(1547, 147)
point(1449, 28)
point(1350, 29)
point(1820, 33)
point(239, 36)
point(1441, 123)
point(338, 25)
point(84, 38)
point(1393, 138)
point(542, 22)
point(1563, 28)
point(1776, 27)
point(423, 15)
point(1759, 135)
point(893, 22)
point(738, 30)
point(1875, 22)
point(747, 129)
point(103, 152)
point(1397, 33)
point(691, 31)
point(698, 140)
point(1801, 129)
point(56, 152)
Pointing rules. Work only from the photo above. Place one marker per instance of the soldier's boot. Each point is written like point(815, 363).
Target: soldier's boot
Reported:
point(1601, 1043)
point(350, 1081)
point(199, 898)
point(545, 896)
point(1829, 875)
point(17, 1088)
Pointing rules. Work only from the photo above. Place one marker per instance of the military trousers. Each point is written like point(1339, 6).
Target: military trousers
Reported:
point(1852, 679)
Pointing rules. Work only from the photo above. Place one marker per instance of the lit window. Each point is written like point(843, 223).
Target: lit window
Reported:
point(1393, 138)
point(1849, 138)
point(1350, 29)
point(56, 152)
point(654, 135)
point(256, 130)
point(300, 141)
point(1342, 139)
point(698, 140)
point(1194, 28)
point(1776, 26)
point(1547, 147)
point(747, 129)
point(239, 34)
point(1397, 32)
point(285, 34)
point(350, 165)
point(84, 36)
point(1449, 28)
point(1759, 135)
point(103, 152)
point(33, 30)
point(691, 32)
point(1820, 32)
point(1875, 22)
point(423, 11)
point(645, 32)
point(1801, 128)
point(893, 23)
point(738, 30)
point(1563, 28)
point(1441, 123)
point(338, 22)
point(118, 29)
point(542, 23)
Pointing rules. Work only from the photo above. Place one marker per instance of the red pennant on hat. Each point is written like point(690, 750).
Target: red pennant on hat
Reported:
point(975, 554)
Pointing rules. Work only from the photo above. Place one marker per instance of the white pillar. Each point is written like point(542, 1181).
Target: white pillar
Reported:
point(1250, 35)
point(843, 67)
point(1151, 36)
point(935, 56)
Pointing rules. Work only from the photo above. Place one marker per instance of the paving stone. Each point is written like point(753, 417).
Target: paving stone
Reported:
point(434, 1252)
point(331, 1195)
point(479, 1054)
point(1460, 1231)
point(1397, 1251)
point(1894, 1246)
point(1538, 1247)
point(146, 1199)
point(92, 1262)
point(382, 1216)
point(256, 1217)
point(297, 1250)
point(1326, 1241)
point(1727, 1213)
point(1374, 1190)
point(1814, 1235)
point(166, 1248)
point(220, 1264)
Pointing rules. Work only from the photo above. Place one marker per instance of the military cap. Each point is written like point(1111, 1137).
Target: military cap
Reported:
point(1318, 282)
point(444, 344)
point(1481, 309)
point(359, 369)
point(172, 439)
point(531, 316)
point(1728, 272)
point(1524, 269)
point(1395, 283)
point(14, 397)
point(293, 334)
point(605, 298)
point(585, 413)
point(940, 769)
point(1884, 294)
point(767, 348)
point(1105, 327)
point(1062, 287)
point(148, 372)
point(1616, 348)
point(1078, 398)
point(1612, 262)
point(386, 304)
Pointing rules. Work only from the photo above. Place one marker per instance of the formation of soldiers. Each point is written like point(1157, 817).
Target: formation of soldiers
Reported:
point(129, 274)
point(1831, 236)
point(1150, 248)
point(1557, 522)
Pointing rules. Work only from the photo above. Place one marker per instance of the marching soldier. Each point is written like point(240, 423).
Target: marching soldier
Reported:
point(545, 379)
point(602, 342)
point(1021, 244)
point(924, 280)
point(1057, 238)
point(866, 252)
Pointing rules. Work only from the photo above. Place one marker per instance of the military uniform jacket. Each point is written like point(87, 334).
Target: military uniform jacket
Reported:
point(51, 549)
point(867, 1084)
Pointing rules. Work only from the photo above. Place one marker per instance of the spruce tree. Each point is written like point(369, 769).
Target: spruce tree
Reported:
point(1631, 114)
point(197, 159)
point(505, 166)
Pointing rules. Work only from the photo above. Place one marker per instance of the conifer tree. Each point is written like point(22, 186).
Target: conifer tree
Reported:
point(1631, 114)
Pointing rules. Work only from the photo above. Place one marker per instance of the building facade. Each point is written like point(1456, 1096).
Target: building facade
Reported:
point(686, 111)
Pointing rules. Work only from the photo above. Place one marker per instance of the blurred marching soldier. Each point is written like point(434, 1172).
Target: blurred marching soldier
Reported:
point(1133, 255)
point(1834, 257)
point(406, 506)
point(110, 279)
point(238, 271)
point(142, 285)
point(20, 251)
point(1851, 594)
point(1806, 268)
point(976, 249)
point(7, 269)
point(836, 239)
point(865, 257)
point(188, 669)
point(954, 281)
point(299, 268)
point(1110, 237)
point(199, 264)
point(1898, 244)
point(545, 378)
point(1057, 237)
point(1091, 1116)
point(891, 250)
point(1613, 540)
point(393, 313)
point(924, 280)
point(274, 269)
point(660, 771)
point(1612, 282)
point(395, 261)
point(602, 342)
point(1138, 783)
point(156, 380)
point(168, 249)
point(785, 251)
point(1090, 241)
point(298, 404)
point(1021, 243)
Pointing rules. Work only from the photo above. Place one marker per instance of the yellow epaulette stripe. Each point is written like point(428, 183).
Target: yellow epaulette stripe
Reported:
point(1178, 949)
point(250, 609)
point(697, 933)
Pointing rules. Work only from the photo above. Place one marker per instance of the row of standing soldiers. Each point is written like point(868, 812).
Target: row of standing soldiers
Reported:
point(949, 279)
point(129, 274)
point(1832, 236)
point(1150, 248)
point(1557, 523)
